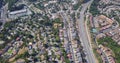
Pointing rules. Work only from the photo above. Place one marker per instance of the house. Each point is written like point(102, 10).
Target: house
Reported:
point(20, 61)
point(100, 35)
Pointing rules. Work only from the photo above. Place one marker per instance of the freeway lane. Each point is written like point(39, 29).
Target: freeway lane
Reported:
point(83, 35)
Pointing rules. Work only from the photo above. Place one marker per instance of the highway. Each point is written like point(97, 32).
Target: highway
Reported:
point(83, 34)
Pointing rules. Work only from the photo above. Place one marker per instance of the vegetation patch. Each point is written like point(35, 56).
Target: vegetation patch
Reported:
point(110, 43)
point(93, 8)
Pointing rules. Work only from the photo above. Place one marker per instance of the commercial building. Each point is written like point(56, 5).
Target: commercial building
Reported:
point(19, 13)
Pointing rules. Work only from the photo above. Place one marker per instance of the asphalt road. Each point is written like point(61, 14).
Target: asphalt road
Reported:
point(3, 15)
point(68, 33)
point(83, 35)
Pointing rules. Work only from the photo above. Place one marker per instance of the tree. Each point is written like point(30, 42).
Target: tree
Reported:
point(32, 0)
point(93, 8)
point(10, 3)
point(1, 23)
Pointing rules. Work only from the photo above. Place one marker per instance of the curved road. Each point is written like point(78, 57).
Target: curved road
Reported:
point(83, 34)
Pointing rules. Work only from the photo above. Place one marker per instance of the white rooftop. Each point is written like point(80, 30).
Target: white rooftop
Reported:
point(19, 11)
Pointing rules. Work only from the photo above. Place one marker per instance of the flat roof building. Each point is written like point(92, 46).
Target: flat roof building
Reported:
point(19, 13)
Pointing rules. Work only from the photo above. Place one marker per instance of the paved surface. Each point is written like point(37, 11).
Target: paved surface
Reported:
point(68, 33)
point(3, 16)
point(83, 35)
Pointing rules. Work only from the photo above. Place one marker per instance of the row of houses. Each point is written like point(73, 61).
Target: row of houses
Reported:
point(106, 27)
point(106, 54)
point(102, 22)
point(115, 34)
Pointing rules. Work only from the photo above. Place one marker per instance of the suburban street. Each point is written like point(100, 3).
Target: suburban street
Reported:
point(83, 34)
point(69, 35)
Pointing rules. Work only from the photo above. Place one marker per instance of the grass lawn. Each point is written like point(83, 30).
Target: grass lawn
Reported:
point(97, 56)
point(10, 51)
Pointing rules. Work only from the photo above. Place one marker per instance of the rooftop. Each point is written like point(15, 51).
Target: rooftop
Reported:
point(19, 11)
